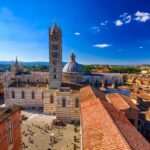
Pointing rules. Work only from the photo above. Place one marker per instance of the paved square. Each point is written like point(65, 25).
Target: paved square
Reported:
point(38, 134)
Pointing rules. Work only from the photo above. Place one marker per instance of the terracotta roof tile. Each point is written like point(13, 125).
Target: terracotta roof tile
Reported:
point(105, 128)
point(121, 102)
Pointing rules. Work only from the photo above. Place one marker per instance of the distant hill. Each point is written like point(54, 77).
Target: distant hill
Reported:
point(28, 63)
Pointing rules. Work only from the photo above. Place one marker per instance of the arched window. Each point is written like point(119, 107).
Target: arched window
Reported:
point(46, 81)
point(42, 95)
point(54, 62)
point(23, 95)
point(28, 81)
point(63, 102)
point(54, 76)
point(33, 95)
point(51, 99)
point(13, 94)
point(87, 81)
point(77, 103)
point(55, 70)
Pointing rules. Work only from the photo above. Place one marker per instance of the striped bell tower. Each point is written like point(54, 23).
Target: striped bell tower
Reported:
point(55, 55)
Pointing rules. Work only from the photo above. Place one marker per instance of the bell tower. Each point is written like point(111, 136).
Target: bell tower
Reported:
point(55, 55)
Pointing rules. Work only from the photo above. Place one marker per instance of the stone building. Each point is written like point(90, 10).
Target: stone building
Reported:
point(16, 67)
point(43, 90)
point(55, 92)
point(55, 47)
point(73, 72)
point(10, 128)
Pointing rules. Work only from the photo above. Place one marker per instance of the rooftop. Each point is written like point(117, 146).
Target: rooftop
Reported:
point(144, 96)
point(121, 102)
point(104, 127)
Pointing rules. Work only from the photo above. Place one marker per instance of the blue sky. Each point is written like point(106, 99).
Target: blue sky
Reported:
point(99, 31)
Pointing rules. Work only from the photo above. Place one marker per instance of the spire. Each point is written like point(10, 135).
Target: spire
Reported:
point(16, 61)
point(54, 26)
point(72, 57)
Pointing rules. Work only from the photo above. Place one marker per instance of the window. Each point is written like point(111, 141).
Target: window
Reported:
point(54, 36)
point(46, 80)
point(55, 70)
point(51, 99)
point(13, 94)
point(77, 103)
point(10, 135)
point(54, 76)
point(87, 81)
point(33, 95)
point(54, 47)
point(54, 62)
point(132, 121)
point(42, 95)
point(54, 54)
point(139, 122)
point(28, 81)
point(23, 95)
point(63, 102)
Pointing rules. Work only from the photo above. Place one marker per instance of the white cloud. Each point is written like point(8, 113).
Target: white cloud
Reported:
point(142, 16)
point(77, 33)
point(104, 23)
point(127, 19)
point(141, 47)
point(101, 45)
point(123, 15)
point(95, 29)
point(118, 23)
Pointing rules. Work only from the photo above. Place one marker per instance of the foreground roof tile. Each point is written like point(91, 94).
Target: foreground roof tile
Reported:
point(104, 127)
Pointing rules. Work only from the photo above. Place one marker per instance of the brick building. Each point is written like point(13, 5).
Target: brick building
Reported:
point(10, 128)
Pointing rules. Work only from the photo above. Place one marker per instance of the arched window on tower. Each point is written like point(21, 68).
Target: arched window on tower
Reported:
point(54, 76)
point(77, 103)
point(63, 102)
point(51, 99)
point(23, 95)
point(54, 62)
point(13, 94)
point(33, 95)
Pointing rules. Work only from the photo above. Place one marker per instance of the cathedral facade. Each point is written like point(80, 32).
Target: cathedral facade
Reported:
point(43, 90)
point(55, 92)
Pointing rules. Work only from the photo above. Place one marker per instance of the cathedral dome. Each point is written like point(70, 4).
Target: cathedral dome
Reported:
point(72, 66)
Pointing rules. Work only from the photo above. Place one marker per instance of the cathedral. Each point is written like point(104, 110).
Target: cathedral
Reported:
point(55, 92)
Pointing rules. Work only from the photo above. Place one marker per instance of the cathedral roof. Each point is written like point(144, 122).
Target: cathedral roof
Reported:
point(72, 66)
